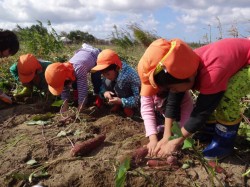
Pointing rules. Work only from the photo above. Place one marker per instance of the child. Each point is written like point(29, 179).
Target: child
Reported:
point(220, 72)
point(121, 84)
point(153, 104)
point(61, 76)
point(9, 45)
point(30, 72)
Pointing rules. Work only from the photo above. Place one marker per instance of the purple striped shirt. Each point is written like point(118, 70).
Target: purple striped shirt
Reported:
point(83, 61)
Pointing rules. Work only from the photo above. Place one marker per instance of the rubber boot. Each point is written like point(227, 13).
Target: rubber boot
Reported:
point(222, 144)
point(206, 133)
point(26, 92)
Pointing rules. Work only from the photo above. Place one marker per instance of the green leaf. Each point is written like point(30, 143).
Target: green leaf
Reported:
point(61, 134)
point(39, 122)
point(176, 130)
point(77, 132)
point(57, 103)
point(185, 166)
point(122, 172)
point(31, 162)
point(188, 143)
point(246, 173)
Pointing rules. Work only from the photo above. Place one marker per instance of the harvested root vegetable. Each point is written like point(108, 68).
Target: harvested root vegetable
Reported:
point(87, 146)
point(170, 161)
point(139, 154)
point(216, 167)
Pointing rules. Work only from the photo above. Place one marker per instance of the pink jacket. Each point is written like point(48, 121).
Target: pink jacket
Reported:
point(151, 103)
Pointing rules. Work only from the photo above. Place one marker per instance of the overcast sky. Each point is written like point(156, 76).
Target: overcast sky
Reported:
point(189, 20)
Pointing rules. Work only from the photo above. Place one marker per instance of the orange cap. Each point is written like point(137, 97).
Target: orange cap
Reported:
point(56, 74)
point(174, 56)
point(105, 59)
point(27, 66)
point(146, 89)
point(148, 62)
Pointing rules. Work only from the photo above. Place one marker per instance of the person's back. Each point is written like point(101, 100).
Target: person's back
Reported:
point(220, 61)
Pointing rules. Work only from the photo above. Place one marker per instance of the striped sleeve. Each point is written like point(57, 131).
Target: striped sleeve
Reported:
point(82, 83)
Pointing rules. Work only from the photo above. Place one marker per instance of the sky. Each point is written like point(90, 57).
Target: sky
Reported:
point(189, 20)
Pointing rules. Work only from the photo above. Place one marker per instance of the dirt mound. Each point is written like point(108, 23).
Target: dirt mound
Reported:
point(34, 151)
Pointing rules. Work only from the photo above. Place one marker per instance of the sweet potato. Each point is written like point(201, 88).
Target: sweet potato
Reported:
point(216, 167)
point(170, 161)
point(87, 146)
point(139, 154)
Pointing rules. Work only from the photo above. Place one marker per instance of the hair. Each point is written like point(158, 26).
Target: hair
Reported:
point(9, 40)
point(110, 67)
point(164, 78)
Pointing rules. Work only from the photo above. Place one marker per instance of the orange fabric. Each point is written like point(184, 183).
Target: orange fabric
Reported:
point(27, 66)
point(56, 74)
point(105, 59)
point(148, 62)
point(146, 89)
point(175, 56)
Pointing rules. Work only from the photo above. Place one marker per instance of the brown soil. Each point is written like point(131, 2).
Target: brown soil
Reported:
point(56, 168)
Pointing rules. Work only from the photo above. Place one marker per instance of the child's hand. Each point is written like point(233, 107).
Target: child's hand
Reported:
point(108, 95)
point(169, 148)
point(115, 100)
point(159, 145)
point(152, 144)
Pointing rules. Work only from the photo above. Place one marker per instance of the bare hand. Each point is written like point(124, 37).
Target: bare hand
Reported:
point(152, 144)
point(159, 145)
point(171, 147)
point(115, 100)
point(108, 95)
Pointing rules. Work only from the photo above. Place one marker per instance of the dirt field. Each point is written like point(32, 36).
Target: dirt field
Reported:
point(48, 146)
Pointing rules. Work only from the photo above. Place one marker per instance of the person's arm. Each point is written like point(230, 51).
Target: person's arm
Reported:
point(133, 100)
point(149, 118)
point(204, 107)
point(82, 85)
point(14, 71)
point(148, 115)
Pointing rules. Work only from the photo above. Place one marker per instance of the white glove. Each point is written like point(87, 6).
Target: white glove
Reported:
point(5, 98)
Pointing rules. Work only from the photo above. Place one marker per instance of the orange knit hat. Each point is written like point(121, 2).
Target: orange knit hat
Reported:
point(27, 66)
point(174, 56)
point(105, 59)
point(56, 74)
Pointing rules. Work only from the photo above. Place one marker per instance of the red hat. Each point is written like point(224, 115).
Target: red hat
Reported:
point(27, 66)
point(56, 74)
point(105, 59)
point(174, 56)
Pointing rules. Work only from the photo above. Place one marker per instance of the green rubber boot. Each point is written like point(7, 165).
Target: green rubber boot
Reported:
point(26, 92)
